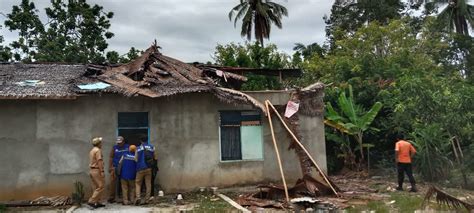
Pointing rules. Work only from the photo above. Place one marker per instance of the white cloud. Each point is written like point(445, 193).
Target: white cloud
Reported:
point(190, 29)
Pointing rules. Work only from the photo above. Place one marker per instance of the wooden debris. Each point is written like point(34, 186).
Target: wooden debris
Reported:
point(446, 199)
point(52, 201)
point(233, 203)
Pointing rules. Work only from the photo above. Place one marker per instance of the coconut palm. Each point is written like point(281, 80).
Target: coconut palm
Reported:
point(307, 51)
point(259, 15)
point(458, 15)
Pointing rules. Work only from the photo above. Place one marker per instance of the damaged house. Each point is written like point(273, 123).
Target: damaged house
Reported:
point(206, 132)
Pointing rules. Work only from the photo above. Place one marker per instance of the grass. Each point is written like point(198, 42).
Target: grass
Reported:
point(208, 202)
point(404, 202)
point(377, 206)
point(3, 208)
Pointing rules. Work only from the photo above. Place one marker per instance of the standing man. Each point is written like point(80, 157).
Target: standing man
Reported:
point(144, 157)
point(114, 157)
point(404, 152)
point(96, 172)
point(128, 171)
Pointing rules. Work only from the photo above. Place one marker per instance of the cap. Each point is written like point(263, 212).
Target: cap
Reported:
point(119, 139)
point(96, 141)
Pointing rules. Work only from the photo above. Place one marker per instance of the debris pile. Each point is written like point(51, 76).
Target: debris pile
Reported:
point(52, 201)
point(155, 75)
point(304, 192)
point(446, 199)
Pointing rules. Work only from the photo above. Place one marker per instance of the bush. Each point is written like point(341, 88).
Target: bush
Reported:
point(433, 148)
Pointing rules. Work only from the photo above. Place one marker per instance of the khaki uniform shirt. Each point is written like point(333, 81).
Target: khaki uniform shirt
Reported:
point(95, 155)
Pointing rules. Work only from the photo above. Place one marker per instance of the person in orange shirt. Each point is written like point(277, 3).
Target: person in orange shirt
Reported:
point(404, 152)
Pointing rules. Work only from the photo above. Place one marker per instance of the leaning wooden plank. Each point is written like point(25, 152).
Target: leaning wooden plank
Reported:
point(233, 203)
point(276, 151)
point(302, 147)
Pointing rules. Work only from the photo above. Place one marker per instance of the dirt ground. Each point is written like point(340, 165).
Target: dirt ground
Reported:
point(359, 195)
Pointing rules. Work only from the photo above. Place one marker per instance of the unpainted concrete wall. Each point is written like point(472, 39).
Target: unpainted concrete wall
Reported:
point(46, 143)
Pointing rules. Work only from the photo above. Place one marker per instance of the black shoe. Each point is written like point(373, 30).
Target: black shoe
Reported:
point(137, 202)
point(413, 190)
point(399, 189)
point(92, 205)
point(98, 205)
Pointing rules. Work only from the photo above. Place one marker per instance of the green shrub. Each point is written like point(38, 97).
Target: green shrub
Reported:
point(433, 148)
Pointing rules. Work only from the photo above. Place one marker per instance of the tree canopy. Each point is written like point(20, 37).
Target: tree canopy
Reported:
point(75, 32)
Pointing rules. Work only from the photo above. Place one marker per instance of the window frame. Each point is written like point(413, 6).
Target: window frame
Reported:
point(220, 139)
point(147, 127)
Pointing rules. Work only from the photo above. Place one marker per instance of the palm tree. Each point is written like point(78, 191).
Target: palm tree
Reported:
point(308, 51)
point(259, 15)
point(457, 15)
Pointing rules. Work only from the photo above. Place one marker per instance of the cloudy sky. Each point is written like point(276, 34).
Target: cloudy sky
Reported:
point(189, 30)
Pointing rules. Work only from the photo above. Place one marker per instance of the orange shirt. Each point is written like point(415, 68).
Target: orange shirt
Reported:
point(405, 149)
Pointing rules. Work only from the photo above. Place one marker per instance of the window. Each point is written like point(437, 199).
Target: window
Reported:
point(133, 126)
point(241, 135)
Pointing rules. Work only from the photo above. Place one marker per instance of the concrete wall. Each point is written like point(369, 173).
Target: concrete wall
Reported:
point(46, 143)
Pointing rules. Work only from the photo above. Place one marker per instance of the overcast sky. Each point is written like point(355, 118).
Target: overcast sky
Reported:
point(189, 30)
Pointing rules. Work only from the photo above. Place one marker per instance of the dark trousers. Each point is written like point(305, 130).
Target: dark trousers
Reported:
point(405, 168)
point(153, 176)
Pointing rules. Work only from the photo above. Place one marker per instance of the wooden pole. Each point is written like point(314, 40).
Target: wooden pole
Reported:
point(268, 103)
point(277, 152)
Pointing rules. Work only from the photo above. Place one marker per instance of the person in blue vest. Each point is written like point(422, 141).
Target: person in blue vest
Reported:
point(146, 162)
point(114, 157)
point(128, 172)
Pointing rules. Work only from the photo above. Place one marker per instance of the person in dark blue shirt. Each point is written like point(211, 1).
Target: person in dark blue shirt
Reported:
point(114, 157)
point(146, 161)
point(128, 171)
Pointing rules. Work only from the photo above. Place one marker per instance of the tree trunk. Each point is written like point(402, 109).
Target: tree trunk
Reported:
point(305, 161)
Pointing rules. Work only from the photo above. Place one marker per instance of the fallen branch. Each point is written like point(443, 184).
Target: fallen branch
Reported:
point(446, 199)
point(304, 149)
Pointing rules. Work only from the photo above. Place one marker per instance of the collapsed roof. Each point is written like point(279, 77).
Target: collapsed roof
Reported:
point(152, 75)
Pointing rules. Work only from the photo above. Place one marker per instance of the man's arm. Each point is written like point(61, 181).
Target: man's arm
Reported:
point(136, 155)
point(412, 151)
point(396, 156)
point(120, 161)
point(396, 152)
point(100, 162)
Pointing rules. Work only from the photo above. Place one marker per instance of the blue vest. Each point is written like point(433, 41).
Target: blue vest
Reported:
point(150, 150)
point(141, 164)
point(129, 167)
point(118, 152)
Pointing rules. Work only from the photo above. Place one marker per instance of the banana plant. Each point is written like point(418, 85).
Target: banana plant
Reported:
point(351, 118)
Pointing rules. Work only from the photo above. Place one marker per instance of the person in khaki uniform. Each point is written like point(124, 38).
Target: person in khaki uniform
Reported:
point(128, 172)
point(96, 172)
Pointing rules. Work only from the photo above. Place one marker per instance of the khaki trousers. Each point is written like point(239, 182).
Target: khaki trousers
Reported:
point(98, 183)
point(143, 175)
point(128, 190)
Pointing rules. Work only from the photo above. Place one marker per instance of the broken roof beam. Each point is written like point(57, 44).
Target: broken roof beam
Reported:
point(284, 73)
point(227, 74)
